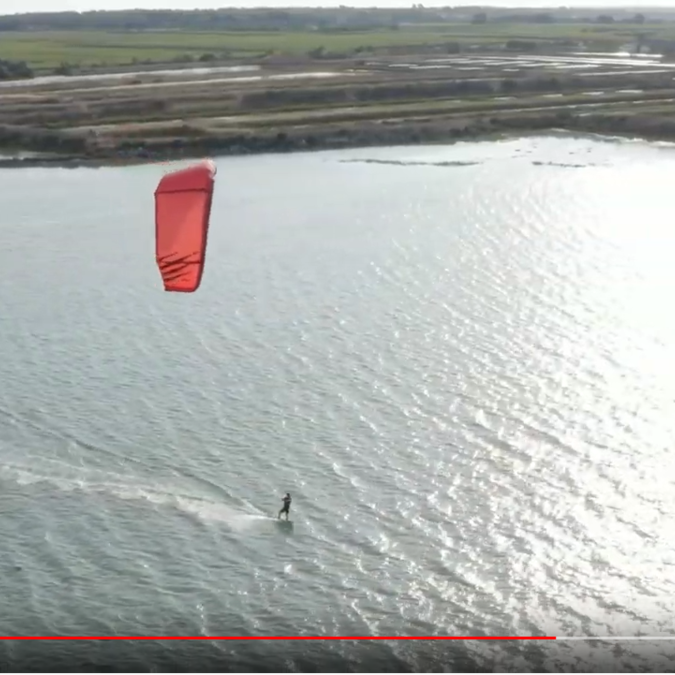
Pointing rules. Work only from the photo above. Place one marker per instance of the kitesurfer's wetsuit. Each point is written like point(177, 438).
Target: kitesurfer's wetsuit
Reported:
point(286, 507)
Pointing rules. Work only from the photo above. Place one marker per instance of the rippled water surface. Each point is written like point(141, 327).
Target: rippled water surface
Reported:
point(459, 360)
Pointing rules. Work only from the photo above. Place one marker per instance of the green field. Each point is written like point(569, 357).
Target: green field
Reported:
point(47, 50)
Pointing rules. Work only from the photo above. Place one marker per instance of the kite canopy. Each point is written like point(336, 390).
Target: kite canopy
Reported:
point(182, 213)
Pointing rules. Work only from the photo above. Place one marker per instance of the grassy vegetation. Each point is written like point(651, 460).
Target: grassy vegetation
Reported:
point(48, 50)
point(87, 48)
point(428, 109)
point(556, 31)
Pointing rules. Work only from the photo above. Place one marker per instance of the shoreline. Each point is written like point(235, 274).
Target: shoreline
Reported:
point(363, 136)
point(419, 100)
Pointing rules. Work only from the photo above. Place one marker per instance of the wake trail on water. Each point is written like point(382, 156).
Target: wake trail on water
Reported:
point(209, 507)
point(239, 516)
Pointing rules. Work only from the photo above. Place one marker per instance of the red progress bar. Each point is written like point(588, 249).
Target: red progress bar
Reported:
point(312, 637)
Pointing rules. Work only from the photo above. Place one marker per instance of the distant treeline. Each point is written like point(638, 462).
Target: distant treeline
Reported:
point(327, 19)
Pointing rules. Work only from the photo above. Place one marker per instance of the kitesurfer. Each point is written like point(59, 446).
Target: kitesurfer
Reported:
point(286, 499)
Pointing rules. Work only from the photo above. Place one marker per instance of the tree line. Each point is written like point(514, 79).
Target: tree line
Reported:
point(300, 19)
